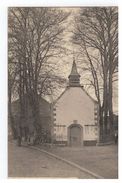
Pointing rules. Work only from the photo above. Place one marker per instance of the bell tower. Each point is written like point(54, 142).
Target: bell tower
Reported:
point(74, 77)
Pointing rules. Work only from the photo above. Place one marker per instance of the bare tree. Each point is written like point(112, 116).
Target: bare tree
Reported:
point(35, 36)
point(96, 34)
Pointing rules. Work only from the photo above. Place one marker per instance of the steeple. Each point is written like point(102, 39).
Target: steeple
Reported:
point(74, 77)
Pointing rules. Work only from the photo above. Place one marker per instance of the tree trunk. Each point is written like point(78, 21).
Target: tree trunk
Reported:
point(110, 120)
point(34, 103)
point(100, 124)
point(105, 106)
point(12, 123)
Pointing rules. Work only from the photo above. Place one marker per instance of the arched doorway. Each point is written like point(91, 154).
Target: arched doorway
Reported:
point(75, 134)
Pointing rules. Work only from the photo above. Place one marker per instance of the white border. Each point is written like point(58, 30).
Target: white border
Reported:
point(3, 91)
point(59, 2)
point(3, 77)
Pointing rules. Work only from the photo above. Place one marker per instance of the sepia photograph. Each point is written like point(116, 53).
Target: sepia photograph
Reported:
point(63, 92)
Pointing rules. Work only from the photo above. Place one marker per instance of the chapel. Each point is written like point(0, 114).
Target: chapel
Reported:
point(75, 114)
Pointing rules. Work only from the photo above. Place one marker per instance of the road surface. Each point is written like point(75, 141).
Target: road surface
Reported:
point(25, 162)
point(102, 160)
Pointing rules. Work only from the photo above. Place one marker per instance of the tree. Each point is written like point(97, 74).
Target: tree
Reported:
point(35, 37)
point(96, 34)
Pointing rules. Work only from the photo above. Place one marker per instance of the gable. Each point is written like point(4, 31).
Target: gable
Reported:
point(75, 92)
point(75, 105)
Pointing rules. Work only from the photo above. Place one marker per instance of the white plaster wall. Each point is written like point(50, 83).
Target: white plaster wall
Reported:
point(74, 104)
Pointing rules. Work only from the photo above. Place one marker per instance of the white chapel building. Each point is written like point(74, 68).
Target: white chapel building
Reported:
point(75, 114)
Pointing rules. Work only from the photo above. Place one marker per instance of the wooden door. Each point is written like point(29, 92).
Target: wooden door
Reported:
point(75, 136)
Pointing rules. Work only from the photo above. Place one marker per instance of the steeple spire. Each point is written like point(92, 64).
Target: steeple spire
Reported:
point(74, 77)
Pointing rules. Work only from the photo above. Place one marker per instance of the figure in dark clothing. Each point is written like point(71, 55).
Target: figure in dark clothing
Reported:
point(19, 141)
point(19, 138)
point(116, 137)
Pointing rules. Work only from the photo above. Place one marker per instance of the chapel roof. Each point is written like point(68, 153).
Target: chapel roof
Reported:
point(74, 77)
point(74, 69)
